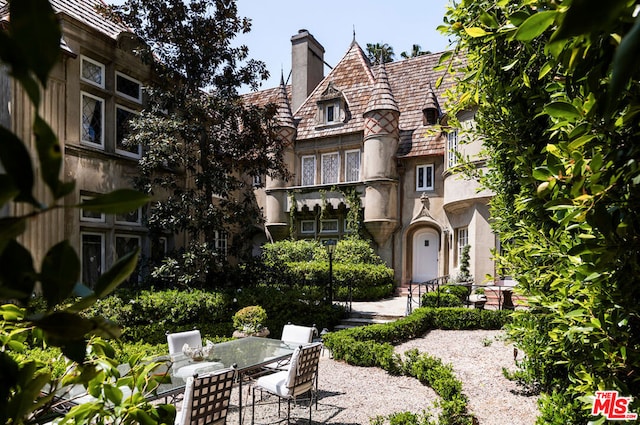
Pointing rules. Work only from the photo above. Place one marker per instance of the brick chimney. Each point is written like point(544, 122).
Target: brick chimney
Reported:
point(307, 65)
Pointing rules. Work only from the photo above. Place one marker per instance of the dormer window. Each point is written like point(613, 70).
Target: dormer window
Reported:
point(332, 107)
point(331, 113)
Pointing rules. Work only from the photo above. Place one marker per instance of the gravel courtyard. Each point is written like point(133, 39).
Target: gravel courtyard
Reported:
point(352, 395)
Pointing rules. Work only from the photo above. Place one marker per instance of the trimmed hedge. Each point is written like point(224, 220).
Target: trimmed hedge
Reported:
point(443, 299)
point(368, 281)
point(372, 346)
point(416, 324)
point(147, 316)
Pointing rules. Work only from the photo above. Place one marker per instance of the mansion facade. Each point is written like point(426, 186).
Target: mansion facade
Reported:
point(379, 133)
point(363, 141)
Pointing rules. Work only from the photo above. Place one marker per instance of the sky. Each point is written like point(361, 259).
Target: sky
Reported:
point(399, 23)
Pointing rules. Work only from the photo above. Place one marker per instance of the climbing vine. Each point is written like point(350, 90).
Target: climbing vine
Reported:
point(292, 214)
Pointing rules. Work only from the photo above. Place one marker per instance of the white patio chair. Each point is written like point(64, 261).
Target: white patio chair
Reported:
point(293, 335)
point(206, 398)
point(298, 380)
point(177, 340)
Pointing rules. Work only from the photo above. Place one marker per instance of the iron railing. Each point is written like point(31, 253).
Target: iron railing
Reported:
point(501, 294)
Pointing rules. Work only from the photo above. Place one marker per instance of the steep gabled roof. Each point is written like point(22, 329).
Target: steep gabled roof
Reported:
point(81, 10)
point(85, 12)
point(411, 81)
point(352, 76)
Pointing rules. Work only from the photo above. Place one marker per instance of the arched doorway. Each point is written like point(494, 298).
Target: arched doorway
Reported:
point(426, 244)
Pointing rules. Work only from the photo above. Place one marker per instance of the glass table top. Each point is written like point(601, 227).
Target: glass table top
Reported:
point(245, 354)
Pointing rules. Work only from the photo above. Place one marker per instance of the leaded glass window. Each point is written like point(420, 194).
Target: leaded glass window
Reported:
point(352, 159)
point(92, 248)
point(92, 71)
point(128, 87)
point(308, 170)
point(330, 168)
point(92, 120)
point(123, 116)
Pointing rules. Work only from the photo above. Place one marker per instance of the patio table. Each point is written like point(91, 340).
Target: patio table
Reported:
point(247, 355)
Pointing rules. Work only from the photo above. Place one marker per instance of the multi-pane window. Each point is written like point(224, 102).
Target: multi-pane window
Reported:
point(462, 239)
point(92, 71)
point(424, 177)
point(221, 241)
point(92, 216)
point(329, 226)
point(124, 245)
point(307, 226)
point(308, 171)
point(330, 168)
point(92, 249)
point(92, 110)
point(352, 166)
point(331, 113)
point(452, 148)
point(123, 117)
point(132, 217)
point(128, 87)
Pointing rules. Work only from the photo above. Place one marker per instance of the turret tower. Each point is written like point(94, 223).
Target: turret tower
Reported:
point(381, 136)
point(277, 216)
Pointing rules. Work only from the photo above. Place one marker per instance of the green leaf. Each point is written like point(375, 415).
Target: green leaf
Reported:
point(588, 17)
point(581, 141)
point(117, 274)
point(476, 32)
point(8, 190)
point(50, 156)
point(11, 228)
point(544, 70)
point(117, 202)
point(63, 326)
point(37, 33)
point(541, 173)
point(113, 394)
point(535, 25)
point(489, 20)
point(75, 350)
point(17, 275)
point(626, 61)
point(445, 56)
point(562, 109)
point(17, 163)
point(575, 313)
point(59, 273)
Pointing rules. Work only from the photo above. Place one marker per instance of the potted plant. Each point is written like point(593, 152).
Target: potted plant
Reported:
point(249, 321)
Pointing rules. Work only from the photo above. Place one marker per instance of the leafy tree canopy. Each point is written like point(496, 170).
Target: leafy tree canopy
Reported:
point(202, 145)
point(555, 86)
point(380, 53)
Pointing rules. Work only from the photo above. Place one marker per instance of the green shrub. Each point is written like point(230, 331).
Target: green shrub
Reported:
point(442, 299)
point(355, 250)
point(366, 280)
point(288, 251)
point(460, 291)
point(250, 319)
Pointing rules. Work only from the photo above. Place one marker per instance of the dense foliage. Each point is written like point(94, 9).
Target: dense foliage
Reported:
point(305, 264)
point(29, 49)
point(202, 146)
point(557, 93)
point(148, 315)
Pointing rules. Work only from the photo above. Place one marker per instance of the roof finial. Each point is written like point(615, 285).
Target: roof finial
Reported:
point(354, 33)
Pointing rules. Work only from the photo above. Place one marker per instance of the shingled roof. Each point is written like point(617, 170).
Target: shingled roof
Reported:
point(81, 10)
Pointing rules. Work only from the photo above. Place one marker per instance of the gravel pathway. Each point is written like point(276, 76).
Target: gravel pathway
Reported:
point(350, 395)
